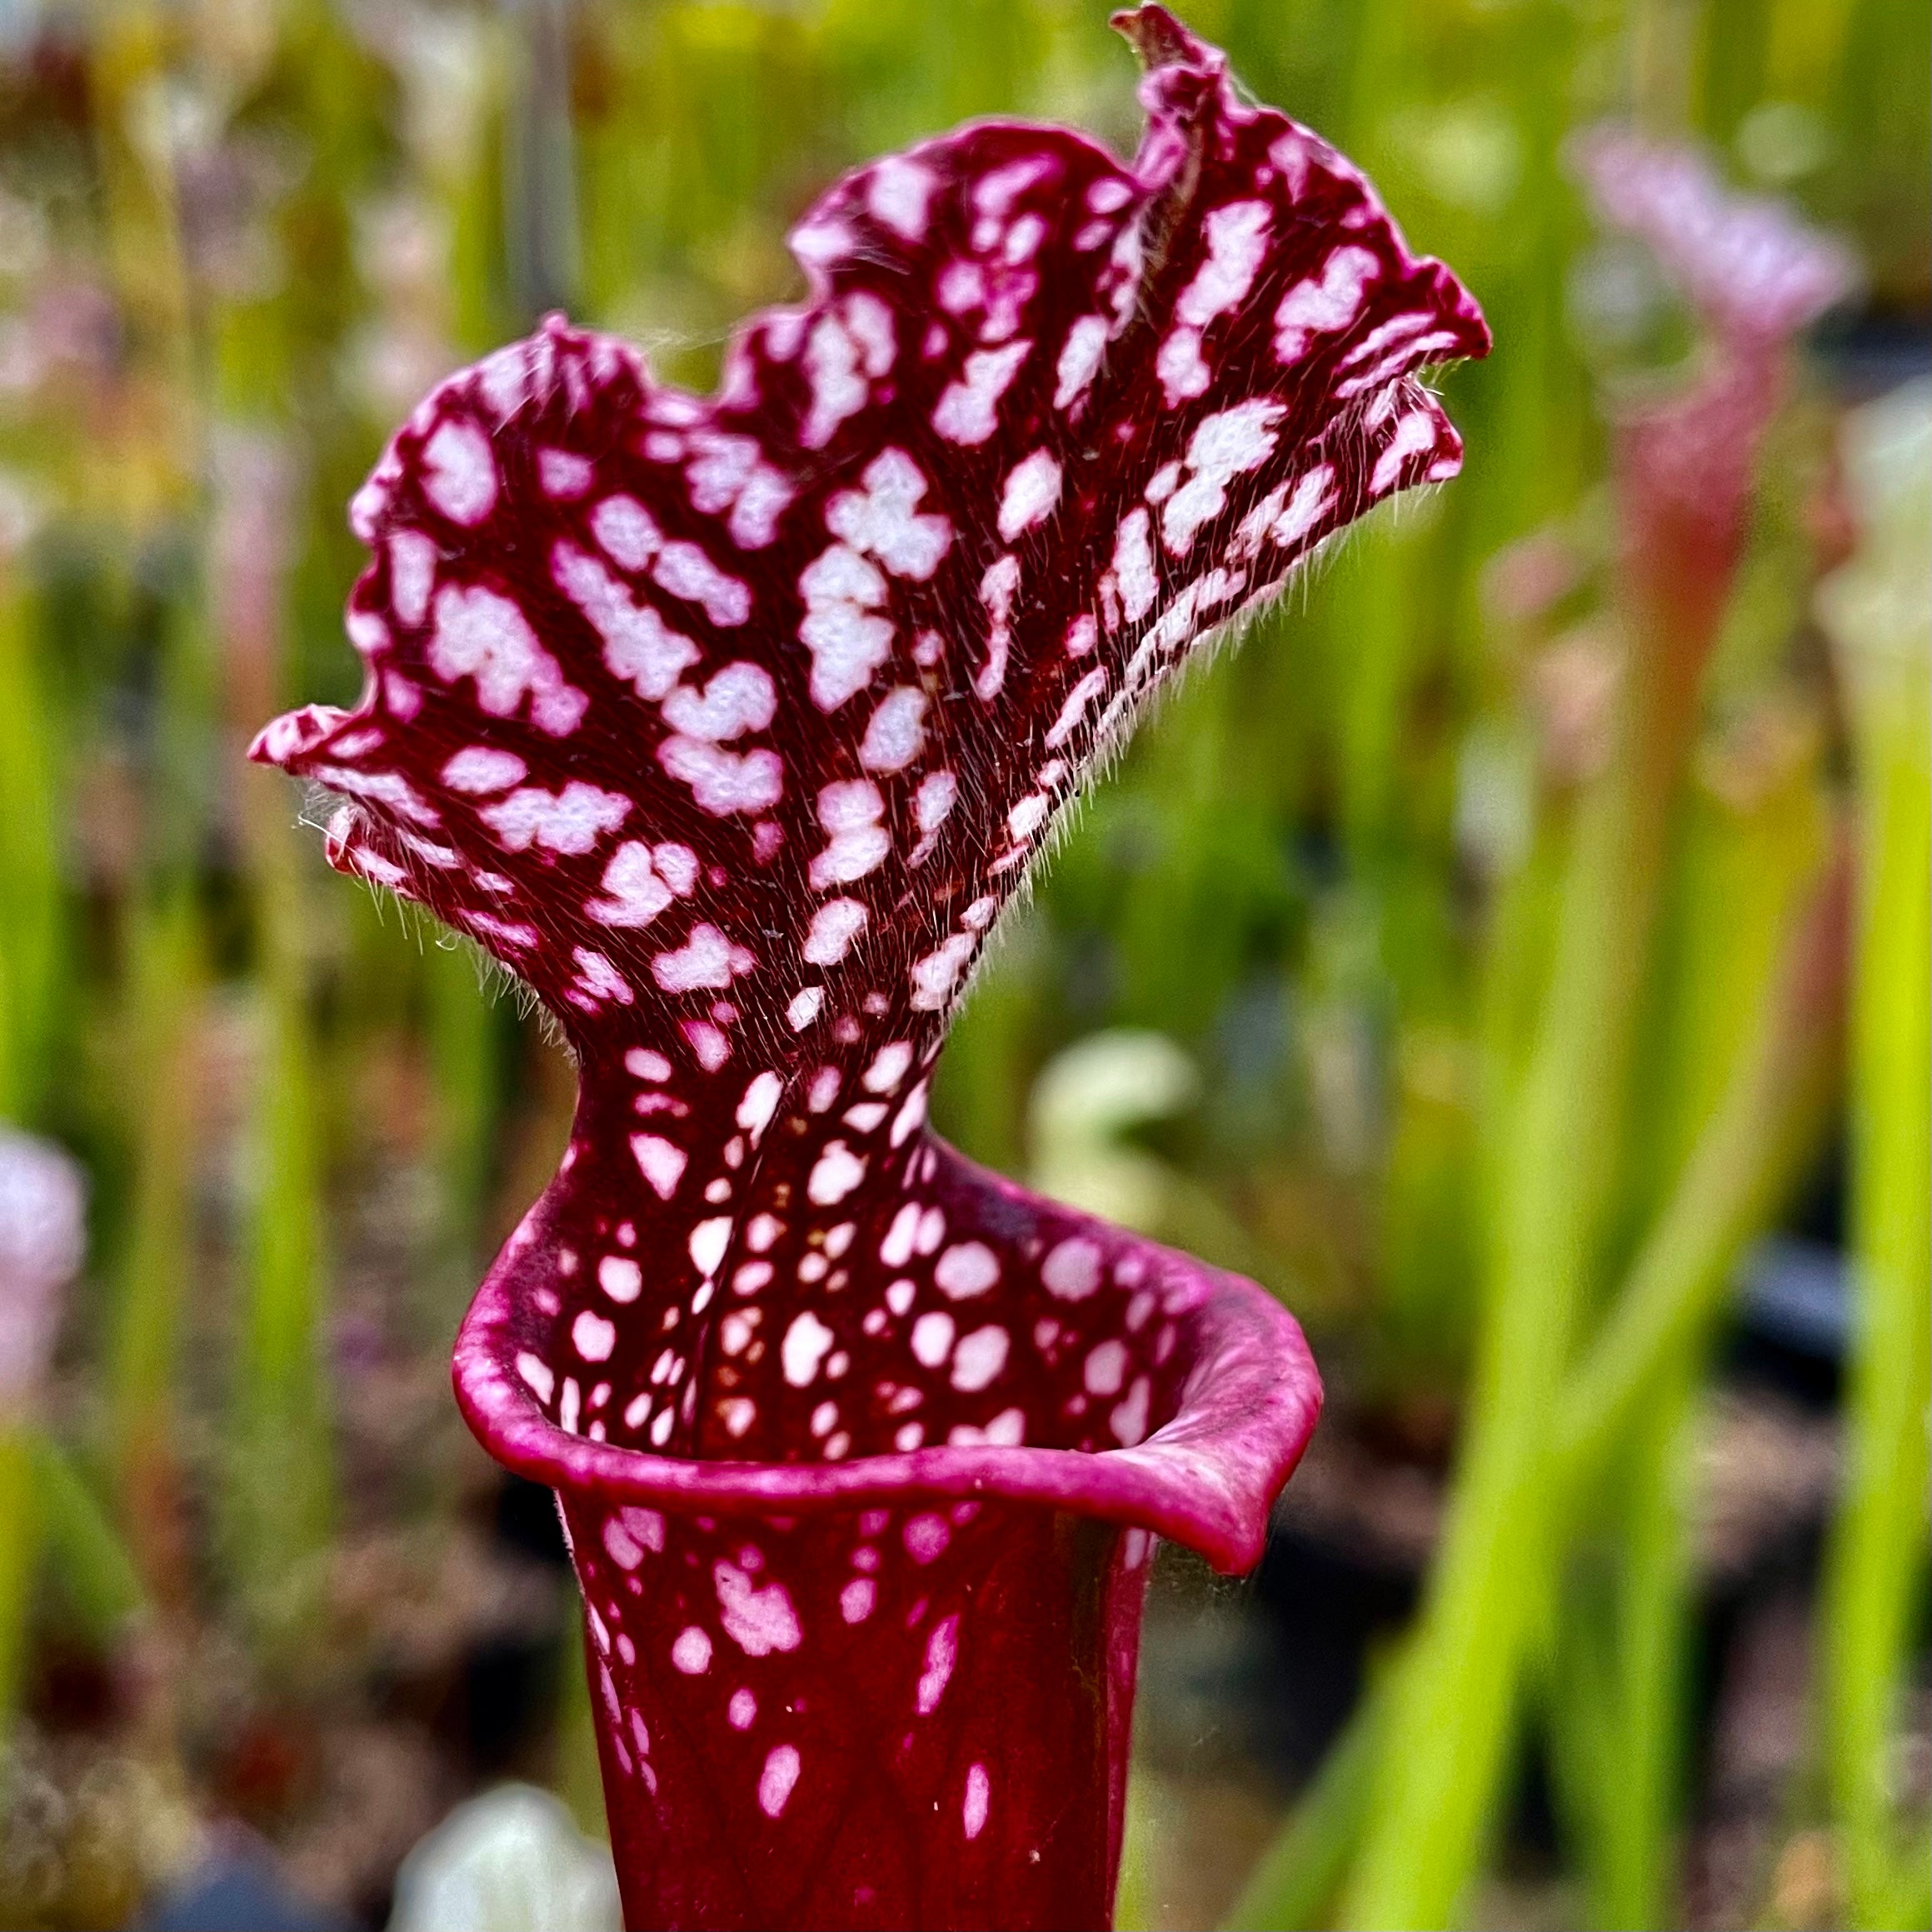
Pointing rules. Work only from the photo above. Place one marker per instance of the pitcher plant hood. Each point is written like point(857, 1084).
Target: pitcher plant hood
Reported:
point(730, 724)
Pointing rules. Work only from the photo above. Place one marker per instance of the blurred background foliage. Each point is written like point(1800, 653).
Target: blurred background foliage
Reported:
point(1389, 937)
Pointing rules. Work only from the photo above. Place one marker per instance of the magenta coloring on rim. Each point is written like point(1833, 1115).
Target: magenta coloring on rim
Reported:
point(730, 724)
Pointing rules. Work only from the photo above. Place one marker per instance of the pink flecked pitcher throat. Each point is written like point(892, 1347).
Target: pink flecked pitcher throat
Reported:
point(730, 724)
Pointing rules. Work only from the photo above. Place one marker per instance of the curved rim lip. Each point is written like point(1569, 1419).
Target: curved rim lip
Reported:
point(1206, 1478)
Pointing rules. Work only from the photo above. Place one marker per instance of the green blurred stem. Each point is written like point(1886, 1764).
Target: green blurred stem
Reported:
point(1762, 1128)
point(31, 919)
point(283, 1487)
point(1877, 1557)
point(48, 1512)
point(579, 1779)
point(1300, 1874)
point(1449, 1743)
point(152, 1289)
point(20, 1531)
point(97, 1573)
point(1617, 1681)
point(1624, 1407)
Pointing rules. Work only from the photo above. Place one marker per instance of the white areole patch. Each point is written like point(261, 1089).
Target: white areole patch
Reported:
point(563, 475)
point(618, 1276)
point(706, 960)
point(979, 1789)
point(895, 733)
point(1080, 360)
point(883, 520)
point(758, 1103)
point(932, 1337)
point(630, 536)
point(593, 1336)
point(1134, 566)
point(758, 1620)
point(849, 812)
point(1106, 1367)
point(481, 769)
point(662, 1163)
point(1032, 493)
point(969, 1269)
point(482, 634)
point(1322, 304)
point(1306, 507)
point(730, 473)
point(942, 1653)
point(839, 353)
point(708, 1241)
point(935, 976)
point(1237, 244)
point(639, 648)
point(776, 1781)
point(639, 883)
point(834, 1175)
point(848, 641)
point(740, 698)
point(570, 821)
point(895, 1250)
point(597, 979)
point(628, 531)
point(1075, 709)
point(838, 389)
point(412, 574)
point(996, 589)
point(888, 1068)
point(968, 410)
point(459, 474)
point(686, 571)
point(897, 192)
point(1027, 816)
point(724, 782)
point(979, 1358)
point(834, 926)
point(932, 804)
point(807, 1342)
point(1414, 435)
point(1129, 1421)
point(1226, 444)
point(1071, 1271)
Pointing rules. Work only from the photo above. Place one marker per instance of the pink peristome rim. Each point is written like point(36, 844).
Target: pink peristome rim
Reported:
point(1207, 1478)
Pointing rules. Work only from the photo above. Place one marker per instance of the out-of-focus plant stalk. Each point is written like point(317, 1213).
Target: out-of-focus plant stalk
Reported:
point(163, 1001)
point(1876, 609)
point(31, 899)
point(1618, 1662)
point(1620, 1645)
point(281, 1477)
point(280, 1481)
point(1449, 1742)
point(1762, 1127)
point(1685, 456)
point(1299, 1874)
point(1743, 1163)
point(132, 105)
point(19, 1555)
point(49, 1517)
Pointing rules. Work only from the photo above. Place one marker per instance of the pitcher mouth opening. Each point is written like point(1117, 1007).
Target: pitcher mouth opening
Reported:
point(1205, 1476)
